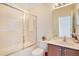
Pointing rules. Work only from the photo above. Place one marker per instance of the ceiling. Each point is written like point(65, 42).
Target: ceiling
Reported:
point(31, 6)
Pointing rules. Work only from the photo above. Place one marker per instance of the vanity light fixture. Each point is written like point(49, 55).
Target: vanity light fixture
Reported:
point(59, 4)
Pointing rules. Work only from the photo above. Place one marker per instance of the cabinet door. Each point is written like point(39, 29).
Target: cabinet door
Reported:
point(11, 30)
point(71, 52)
point(54, 50)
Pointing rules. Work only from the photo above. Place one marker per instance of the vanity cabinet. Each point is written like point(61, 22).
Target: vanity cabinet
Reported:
point(54, 50)
point(71, 52)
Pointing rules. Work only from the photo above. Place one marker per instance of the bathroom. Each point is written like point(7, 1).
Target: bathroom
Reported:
point(39, 29)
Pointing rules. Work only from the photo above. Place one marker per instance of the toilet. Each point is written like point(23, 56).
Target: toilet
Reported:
point(40, 49)
point(38, 52)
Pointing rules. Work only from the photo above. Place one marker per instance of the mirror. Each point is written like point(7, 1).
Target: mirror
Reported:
point(65, 24)
point(66, 21)
point(77, 23)
point(62, 21)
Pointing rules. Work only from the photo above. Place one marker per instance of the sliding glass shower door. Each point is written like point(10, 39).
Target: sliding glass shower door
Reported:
point(11, 32)
point(29, 30)
point(17, 29)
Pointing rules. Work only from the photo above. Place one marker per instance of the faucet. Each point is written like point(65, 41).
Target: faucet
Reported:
point(64, 39)
point(74, 35)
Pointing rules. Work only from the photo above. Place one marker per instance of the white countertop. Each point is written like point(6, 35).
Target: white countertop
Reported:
point(59, 41)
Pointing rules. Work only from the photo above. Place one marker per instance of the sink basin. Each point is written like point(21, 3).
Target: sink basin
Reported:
point(65, 43)
point(62, 43)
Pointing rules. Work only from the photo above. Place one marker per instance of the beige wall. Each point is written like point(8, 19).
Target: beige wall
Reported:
point(44, 22)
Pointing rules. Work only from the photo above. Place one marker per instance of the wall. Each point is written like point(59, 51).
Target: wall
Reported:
point(44, 23)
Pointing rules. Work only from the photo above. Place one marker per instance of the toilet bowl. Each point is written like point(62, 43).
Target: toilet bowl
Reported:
point(38, 52)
